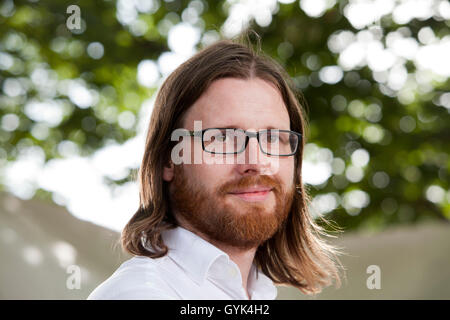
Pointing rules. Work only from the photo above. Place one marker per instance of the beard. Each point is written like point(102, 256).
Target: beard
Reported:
point(228, 221)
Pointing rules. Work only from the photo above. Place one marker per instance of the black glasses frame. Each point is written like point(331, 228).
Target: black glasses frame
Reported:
point(247, 138)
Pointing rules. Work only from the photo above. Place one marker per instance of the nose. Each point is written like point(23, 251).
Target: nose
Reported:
point(252, 160)
point(252, 150)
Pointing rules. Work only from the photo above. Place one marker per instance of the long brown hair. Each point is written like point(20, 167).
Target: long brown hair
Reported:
point(296, 255)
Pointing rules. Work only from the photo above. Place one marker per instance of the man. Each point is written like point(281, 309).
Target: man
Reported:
point(231, 219)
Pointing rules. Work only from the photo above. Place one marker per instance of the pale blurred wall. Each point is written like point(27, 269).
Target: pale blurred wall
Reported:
point(39, 240)
point(414, 263)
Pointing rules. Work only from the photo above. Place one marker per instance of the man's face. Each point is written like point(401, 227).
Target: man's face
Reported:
point(237, 203)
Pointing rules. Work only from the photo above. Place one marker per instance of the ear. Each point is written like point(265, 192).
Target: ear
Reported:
point(168, 172)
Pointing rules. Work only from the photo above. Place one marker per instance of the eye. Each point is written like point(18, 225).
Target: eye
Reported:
point(220, 137)
point(223, 135)
point(272, 137)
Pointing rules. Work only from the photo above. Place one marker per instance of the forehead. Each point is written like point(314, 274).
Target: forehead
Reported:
point(230, 102)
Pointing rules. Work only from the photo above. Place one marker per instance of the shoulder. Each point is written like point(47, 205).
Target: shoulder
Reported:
point(137, 278)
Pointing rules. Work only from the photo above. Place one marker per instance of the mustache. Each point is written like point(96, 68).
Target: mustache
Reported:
point(250, 181)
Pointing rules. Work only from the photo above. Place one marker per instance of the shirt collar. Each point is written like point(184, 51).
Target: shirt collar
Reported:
point(196, 256)
point(192, 253)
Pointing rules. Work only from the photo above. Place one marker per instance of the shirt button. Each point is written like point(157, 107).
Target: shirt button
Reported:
point(232, 272)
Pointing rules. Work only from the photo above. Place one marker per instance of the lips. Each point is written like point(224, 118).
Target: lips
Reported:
point(251, 190)
point(252, 194)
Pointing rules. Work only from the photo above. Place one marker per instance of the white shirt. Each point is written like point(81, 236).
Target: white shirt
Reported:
point(193, 269)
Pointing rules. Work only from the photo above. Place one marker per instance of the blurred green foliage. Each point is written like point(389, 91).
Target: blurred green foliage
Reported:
point(406, 133)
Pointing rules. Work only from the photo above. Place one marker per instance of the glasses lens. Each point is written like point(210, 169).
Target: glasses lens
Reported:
point(223, 141)
point(278, 143)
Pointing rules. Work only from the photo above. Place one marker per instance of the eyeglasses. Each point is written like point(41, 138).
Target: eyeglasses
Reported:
point(274, 142)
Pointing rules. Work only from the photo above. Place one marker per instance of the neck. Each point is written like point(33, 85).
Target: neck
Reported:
point(242, 257)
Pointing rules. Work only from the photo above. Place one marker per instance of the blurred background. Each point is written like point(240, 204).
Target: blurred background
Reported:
point(77, 85)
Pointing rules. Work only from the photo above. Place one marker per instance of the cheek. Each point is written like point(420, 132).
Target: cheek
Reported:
point(209, 175)
point(287, 171)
